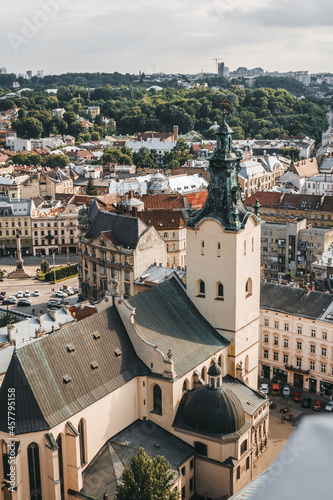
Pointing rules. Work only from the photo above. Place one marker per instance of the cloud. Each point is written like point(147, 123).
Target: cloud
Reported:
point(174, 36)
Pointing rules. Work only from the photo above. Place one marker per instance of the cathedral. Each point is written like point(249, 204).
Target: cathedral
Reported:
point(173, 369)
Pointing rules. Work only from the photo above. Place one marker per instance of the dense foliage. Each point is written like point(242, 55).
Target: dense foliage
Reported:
point(62, 272)
point(147, 478)
point(261, 113)
point(91, 189)
point(50, 160)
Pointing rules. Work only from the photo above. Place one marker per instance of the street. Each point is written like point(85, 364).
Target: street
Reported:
point(11, 287)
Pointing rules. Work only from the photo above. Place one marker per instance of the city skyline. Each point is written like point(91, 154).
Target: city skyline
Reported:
point(61, 36)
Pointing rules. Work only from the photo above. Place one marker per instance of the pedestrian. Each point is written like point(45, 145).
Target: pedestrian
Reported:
point(33, 311)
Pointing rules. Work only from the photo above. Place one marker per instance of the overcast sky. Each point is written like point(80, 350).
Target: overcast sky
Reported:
point(172, 36)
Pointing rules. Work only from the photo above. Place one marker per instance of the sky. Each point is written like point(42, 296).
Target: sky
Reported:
point(171, 36)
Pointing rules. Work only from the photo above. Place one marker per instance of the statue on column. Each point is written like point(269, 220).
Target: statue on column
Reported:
point(19, 271)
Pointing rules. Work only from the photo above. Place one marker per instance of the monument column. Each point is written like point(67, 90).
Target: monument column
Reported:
point(19, 272)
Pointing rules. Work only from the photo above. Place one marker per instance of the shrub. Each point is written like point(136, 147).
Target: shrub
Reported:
point(62, 272)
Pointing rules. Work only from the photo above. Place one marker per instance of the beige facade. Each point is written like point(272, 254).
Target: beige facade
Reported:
point(254, 177)
point(15, 214)
point(55, 229)
point(297, 350)
point(102, 261)
point(234, 310)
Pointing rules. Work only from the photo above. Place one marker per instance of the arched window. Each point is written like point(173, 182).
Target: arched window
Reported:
point(34, 472)
point(248, 288)
point(5, 463)
point(204, 374)
point(157, 400)
point(185, 385)
point(219, 291)
point(201, 289)
point(220, 361)
point(61, 466)
point(83, 445)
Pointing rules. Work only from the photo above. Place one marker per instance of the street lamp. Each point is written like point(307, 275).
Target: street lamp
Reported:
point(54, 273)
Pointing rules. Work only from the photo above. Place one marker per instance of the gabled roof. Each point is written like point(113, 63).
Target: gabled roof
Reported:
point(162, 219)
point(125, 230)
point(178, 326)
point(294, 301)
point(83, 355)
point(306, 168)
point(104, 472)
point(265, 198)
point(162, 201)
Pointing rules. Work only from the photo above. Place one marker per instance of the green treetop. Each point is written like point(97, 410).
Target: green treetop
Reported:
point(91, 189)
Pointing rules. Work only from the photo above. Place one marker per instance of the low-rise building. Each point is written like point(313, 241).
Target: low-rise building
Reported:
point(296, 337)
point(278, 207)
point(15, 214)
point(116, 248)
point(55, 228)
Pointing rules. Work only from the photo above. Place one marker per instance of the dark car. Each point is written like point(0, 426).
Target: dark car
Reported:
point(306, 402)
point(24, 302)
point(297, 397)
point(53, 304)
point(318, 405)
point(9, 301)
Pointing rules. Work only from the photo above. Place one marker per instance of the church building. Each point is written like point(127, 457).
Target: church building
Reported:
point(172, 369)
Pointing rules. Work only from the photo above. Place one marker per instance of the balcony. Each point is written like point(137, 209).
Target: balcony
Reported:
point(295, 369)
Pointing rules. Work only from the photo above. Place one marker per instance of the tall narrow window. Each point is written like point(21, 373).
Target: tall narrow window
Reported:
point(82, 432)
point(219, 291)
point(244, 247)
point(157, 394)
point(248, 288)
point(252, 244)
point(61, 467)
point(202, 248)
point(34, 472)
point(201, 289)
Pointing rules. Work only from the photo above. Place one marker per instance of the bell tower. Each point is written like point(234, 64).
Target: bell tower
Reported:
point(223, 260)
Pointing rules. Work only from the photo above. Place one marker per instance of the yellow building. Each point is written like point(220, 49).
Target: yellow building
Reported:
point(13, 214)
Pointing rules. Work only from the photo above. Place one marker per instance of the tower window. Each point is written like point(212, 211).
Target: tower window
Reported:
point(202, 248)
point(34, 472)
point(82, 441)
point(219, 292)
point(248, 288)
point(201, 289)
point(244, 247)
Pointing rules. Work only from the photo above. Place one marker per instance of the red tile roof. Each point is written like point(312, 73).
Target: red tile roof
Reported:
point(162, 219)
point(162, 201)
point(79, 314)
point(265, 198)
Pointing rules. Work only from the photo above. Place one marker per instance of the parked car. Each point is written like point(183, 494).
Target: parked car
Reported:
point(286, 390)
point(36, 293)
point(306, 402)
point(76, 289)
point(276, 389)
point(24, 302)
point(297, 397)
point(329, 406)
point(27, 293)
point(264, 388)
point(9, 301)
point(19, 295)
point(61, 294)
point(318, 405)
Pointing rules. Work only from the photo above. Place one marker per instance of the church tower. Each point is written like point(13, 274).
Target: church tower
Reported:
point(223, 261)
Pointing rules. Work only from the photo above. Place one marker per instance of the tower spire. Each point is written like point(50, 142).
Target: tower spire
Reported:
point(224, 201)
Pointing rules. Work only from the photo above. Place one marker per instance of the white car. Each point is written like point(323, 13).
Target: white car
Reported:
point(329, 406)
point(61, 294)
point(264, 388)
point(36, 293)
point(27, 293)
point(286, 390)
point(19, 295)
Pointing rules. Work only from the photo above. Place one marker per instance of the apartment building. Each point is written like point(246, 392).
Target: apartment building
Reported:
point(292, 247)
point(296, 337)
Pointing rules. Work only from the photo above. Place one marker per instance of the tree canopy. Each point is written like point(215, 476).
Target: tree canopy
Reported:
point(147, 478)
point(91, 189)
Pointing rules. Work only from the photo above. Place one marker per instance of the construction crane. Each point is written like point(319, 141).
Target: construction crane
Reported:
point(217, 59)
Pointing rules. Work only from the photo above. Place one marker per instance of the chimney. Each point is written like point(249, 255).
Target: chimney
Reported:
point(175, 132)
point(11, 333)
point(131, 195)
point(52, 314)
